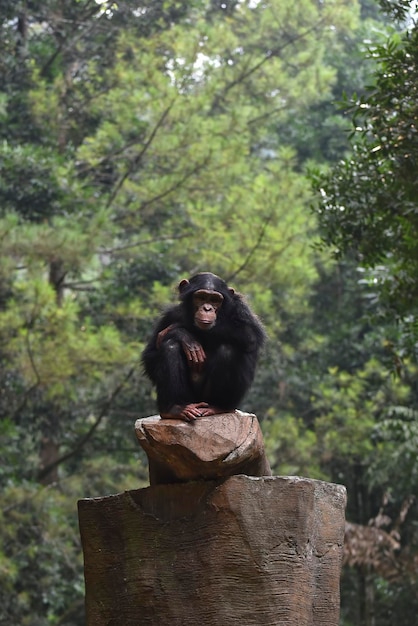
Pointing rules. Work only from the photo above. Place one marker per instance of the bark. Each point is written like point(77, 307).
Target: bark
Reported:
point(50, 449)
point(48, 454)
point(209, 448)
point(242, 551)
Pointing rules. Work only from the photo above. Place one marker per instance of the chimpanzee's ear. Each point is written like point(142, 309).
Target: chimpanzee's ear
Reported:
point(231, 291)
point(183, 285)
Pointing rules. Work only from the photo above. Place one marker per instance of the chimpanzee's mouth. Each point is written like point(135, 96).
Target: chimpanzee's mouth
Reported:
point(203, 324)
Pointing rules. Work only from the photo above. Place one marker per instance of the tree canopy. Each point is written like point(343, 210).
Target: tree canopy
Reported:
point(369, 202)
point(141, 144)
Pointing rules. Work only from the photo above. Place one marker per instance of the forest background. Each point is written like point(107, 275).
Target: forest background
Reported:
point(142, 142)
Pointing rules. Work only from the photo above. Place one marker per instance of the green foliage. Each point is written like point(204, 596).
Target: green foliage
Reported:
point(139, 146)
point(29, 182)
point(367, 211)
point(397, 435)
point(350, 408)
point(41, 573)
point(289, 446)
point(369, 200)
point(399, 9)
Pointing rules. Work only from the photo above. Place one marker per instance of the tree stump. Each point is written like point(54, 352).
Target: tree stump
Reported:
point(206, 449)
point(241, 551)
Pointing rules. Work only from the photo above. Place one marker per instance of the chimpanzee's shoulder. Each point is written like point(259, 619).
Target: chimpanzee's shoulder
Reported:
point(174, 314)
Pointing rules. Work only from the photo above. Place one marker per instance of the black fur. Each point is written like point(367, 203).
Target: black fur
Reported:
point(232, 347)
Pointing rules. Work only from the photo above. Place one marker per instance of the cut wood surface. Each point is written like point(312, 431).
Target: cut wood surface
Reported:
point(208, 448)
point(240, 551)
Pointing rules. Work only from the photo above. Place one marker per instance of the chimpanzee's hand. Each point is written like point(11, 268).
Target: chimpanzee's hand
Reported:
point(192, 411)
point(194, 352)
point(187, 412)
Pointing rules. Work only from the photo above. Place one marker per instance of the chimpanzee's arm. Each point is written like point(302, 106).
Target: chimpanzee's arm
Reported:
point(165, 364)
point(192, 349)
point(151, 355)
point(241, 328)
point(172, 326)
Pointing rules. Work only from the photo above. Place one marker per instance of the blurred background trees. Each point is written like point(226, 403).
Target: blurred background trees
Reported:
point(143, 142)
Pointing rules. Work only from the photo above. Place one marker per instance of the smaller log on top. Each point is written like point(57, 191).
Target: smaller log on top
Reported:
point(209, 448)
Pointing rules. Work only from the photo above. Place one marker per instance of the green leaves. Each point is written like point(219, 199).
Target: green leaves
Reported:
point(368, 202)
point(397, 437)
point(29, 182)
point(140, 146)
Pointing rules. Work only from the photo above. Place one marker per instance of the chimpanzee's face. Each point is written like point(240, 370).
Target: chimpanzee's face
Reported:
point(206, 304)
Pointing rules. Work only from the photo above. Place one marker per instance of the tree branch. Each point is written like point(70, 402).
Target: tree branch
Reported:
point(135, 162)
point(141, 243)
point(252, 250)
point(270, 54)
point(88, 435)
point(178, 184)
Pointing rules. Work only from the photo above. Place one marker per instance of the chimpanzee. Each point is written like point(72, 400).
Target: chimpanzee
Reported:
point(203, 352)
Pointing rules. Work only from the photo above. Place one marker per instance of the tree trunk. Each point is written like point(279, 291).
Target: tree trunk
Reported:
point(50, 448)
point(239, 551)
point(48, 455)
